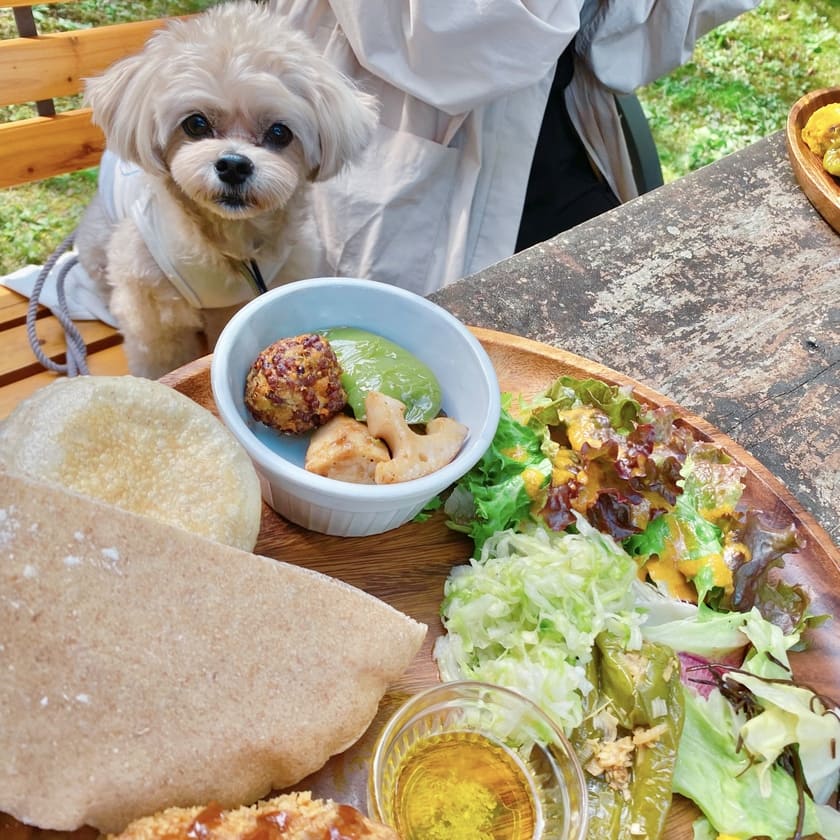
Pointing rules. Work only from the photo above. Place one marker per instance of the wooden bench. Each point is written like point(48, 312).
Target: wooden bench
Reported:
point(20, 372)
point(37, 69)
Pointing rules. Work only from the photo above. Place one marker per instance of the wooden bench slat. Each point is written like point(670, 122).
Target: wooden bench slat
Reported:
point(57, 64)
point(12, 308)
point(41, 147)
point(108, 362)
point(11, 4)
point(41, 68)
point(20, 372)
point(17, 360)
point(13, 314)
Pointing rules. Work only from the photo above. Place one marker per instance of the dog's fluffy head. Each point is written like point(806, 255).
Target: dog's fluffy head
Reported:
point(235, 107)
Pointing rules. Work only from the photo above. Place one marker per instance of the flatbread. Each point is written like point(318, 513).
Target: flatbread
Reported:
point(144, 667)
point(142, 446)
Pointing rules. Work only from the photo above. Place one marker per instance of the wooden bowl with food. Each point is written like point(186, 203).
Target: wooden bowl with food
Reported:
point(819, 185)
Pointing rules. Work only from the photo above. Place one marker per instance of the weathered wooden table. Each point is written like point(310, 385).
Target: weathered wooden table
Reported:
point(720, 290)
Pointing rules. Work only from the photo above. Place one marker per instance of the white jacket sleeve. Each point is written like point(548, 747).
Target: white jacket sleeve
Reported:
point(623, 45)
point(458, 54)
point(630, 43)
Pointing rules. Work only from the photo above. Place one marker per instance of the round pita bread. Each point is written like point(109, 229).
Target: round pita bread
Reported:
point(141, 446)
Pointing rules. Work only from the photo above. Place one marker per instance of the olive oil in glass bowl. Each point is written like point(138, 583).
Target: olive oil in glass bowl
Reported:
point(472, 761)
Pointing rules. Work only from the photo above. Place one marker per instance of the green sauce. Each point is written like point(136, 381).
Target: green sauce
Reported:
point(370, 362)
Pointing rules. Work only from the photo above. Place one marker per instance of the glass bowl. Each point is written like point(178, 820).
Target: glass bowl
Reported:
point(466, 759)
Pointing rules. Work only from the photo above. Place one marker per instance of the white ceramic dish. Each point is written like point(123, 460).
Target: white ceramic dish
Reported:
point(466, 375)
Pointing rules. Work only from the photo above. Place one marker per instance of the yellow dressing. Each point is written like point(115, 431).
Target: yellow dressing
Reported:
point(721, 573)
point(586, 425)
point(533, 480)
point(666, 574)
point(515, 453)
point(564, 467)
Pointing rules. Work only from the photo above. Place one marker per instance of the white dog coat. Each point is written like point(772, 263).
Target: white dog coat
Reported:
point(127, 193)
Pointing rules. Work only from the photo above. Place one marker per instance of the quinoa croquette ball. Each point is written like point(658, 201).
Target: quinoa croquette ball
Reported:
point(294, 385)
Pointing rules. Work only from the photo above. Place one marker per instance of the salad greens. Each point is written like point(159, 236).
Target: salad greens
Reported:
point(742, 795)
point(747, 730)
point(585, 448)
point(567, 392)
point(526, 614)
point(607, 538)
point(497, 493)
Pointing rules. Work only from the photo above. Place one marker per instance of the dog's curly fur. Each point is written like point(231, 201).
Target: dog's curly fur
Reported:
point(233, 86)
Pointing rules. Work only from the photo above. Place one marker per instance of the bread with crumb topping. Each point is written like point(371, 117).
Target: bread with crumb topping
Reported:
point(295, 816)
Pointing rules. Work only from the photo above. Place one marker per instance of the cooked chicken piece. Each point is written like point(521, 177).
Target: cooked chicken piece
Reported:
point(412, 455)
point(293, 816)
point(344, 449)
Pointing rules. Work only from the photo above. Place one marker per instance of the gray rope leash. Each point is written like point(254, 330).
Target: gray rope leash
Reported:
point(76, 350)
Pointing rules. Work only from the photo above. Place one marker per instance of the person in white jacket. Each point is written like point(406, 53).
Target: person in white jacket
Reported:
point(463, 87)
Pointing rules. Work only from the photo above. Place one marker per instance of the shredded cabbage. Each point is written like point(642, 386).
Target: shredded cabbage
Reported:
point(526, 613)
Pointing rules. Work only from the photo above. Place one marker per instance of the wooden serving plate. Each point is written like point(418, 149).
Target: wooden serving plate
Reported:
point(407, 567)
point(821, 188)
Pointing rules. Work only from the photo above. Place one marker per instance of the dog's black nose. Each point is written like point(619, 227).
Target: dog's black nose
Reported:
point(233, 168)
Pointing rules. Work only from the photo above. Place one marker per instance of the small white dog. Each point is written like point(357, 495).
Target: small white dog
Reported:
point(214, 132)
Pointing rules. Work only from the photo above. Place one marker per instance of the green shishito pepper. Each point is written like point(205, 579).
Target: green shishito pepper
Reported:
point(641, 690)
point(370, 362)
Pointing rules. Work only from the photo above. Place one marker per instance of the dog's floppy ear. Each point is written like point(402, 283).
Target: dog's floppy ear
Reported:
point(122, 108)
point(346, 119)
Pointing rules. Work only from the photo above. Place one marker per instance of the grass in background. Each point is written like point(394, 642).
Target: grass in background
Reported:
point(34, 218)
point(738, 87)
point(741, 82)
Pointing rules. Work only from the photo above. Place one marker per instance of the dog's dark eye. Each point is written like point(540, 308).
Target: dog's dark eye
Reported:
point(279, 136)
point(197, 125)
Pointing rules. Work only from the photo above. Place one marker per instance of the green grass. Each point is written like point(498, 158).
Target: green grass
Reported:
point(63, 16)
point(741, 82)
point(738, 87)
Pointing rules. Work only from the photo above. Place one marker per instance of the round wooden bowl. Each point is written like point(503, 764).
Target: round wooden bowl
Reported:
point(408, 567)
point(821, 188)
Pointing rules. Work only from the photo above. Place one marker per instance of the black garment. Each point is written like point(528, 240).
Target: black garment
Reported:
point(563, 187)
